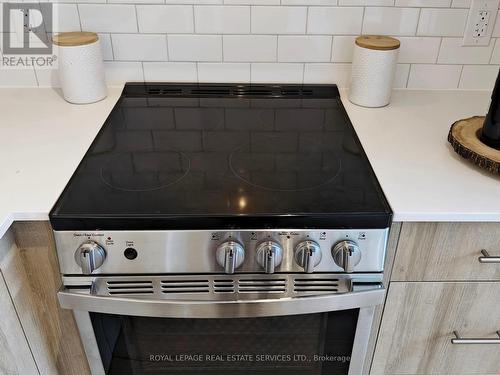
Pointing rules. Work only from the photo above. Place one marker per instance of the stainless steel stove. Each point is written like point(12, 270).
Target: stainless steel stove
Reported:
point(224, 229)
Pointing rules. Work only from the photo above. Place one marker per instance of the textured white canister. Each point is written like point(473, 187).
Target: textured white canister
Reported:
point(81, 69)
point(373, 68)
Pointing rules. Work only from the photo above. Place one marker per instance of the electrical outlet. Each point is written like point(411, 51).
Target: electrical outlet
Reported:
point(482, 15)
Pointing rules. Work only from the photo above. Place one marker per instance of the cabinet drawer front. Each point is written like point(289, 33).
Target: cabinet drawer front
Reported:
point(447, 251)
point(418, 324)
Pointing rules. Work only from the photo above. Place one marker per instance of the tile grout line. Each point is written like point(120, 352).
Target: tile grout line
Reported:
point(112, 47)
point(460, 77)
point(439, 50)
point(79, 17)
point(494, 41)
point(136, 18)
point(362, 20)
point(166, 43)
point(408, 78)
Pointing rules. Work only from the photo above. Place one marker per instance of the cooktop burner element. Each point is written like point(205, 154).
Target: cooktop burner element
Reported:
point(267, 165)
point(183, 156)
point(118, 171)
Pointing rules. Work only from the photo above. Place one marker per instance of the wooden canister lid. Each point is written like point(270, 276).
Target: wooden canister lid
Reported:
point(377, 42)
point(75, 38)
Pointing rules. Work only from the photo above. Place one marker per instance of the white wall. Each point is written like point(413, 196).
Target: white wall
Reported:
point(274, 41)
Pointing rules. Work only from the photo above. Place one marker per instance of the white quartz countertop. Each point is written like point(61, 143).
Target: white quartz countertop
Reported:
point(422, 177)
point(43, 138)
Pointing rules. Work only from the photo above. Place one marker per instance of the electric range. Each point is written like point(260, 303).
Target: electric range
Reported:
point(215, 206)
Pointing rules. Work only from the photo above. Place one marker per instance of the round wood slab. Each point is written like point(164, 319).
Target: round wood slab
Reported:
point(464, 137)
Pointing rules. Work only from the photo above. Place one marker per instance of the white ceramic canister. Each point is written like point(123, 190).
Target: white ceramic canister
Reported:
point(373, 68)
point(81, 69)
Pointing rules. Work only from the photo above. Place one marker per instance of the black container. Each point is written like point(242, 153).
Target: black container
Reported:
point(491, 128)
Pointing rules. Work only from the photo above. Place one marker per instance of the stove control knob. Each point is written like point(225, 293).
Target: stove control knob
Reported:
point(346, 255)
point(308, 255)
point(230, 255)
point(90, 256)
point(269, 255)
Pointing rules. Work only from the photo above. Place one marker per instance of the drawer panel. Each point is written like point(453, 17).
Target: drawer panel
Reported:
point(418, 324)
point(446, 251)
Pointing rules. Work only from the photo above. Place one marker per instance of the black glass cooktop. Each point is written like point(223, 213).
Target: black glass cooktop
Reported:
point(174, 156)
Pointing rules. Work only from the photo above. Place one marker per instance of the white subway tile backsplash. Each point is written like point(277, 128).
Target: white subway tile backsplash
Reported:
point(452, 52)
point(495, 56)
point(460, 4)
point(17, 77)
point(308, 2)
point(478, 77)
point(496, 29)
point(367, 2)
point(47, 77)
point(65, 18)
point(277, 73)
point(424, 3)
point(106, 46)
point(442, 22)
point(191, 2)
point(390, 21)
point(165, 19)
point(289, 41)
point(328, 73)
point(401, 76)
point(222, 19)
point(432, 76)
point(423, 50)
point(118, 72)
point(341, 74)
point(170, 71)
point(304, 48)
point(244, 48)
point(342, 48)
point(338, 20)
point(278, 20)
point(139, 47)
point(112, 18)
point(135, 1)
point(253, 2)
point(195, 47)
point(225, 72)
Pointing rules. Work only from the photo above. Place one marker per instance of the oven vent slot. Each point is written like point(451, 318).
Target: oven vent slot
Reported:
point(129, 287)
point(325, 285)
point(224, 286)
point(184, 286)
point(261, 286)
point(253, 91)
point(159, 91)
point(296, 92)
point(211, 91)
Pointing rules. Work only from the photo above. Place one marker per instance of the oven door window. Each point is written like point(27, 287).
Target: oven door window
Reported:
point(312, 344)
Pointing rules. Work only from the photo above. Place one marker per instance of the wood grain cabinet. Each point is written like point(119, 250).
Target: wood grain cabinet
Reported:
point(15, 354)
point(438, 286)
point(30, 272)
point(446, 251)
point(418, 324)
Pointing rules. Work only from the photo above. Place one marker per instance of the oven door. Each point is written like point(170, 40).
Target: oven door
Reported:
point(313, 334)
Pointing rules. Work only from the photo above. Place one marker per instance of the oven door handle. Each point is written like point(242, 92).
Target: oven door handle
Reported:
point(84, 301)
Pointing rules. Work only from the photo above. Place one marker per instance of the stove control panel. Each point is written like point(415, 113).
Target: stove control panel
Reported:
point(219, 252)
